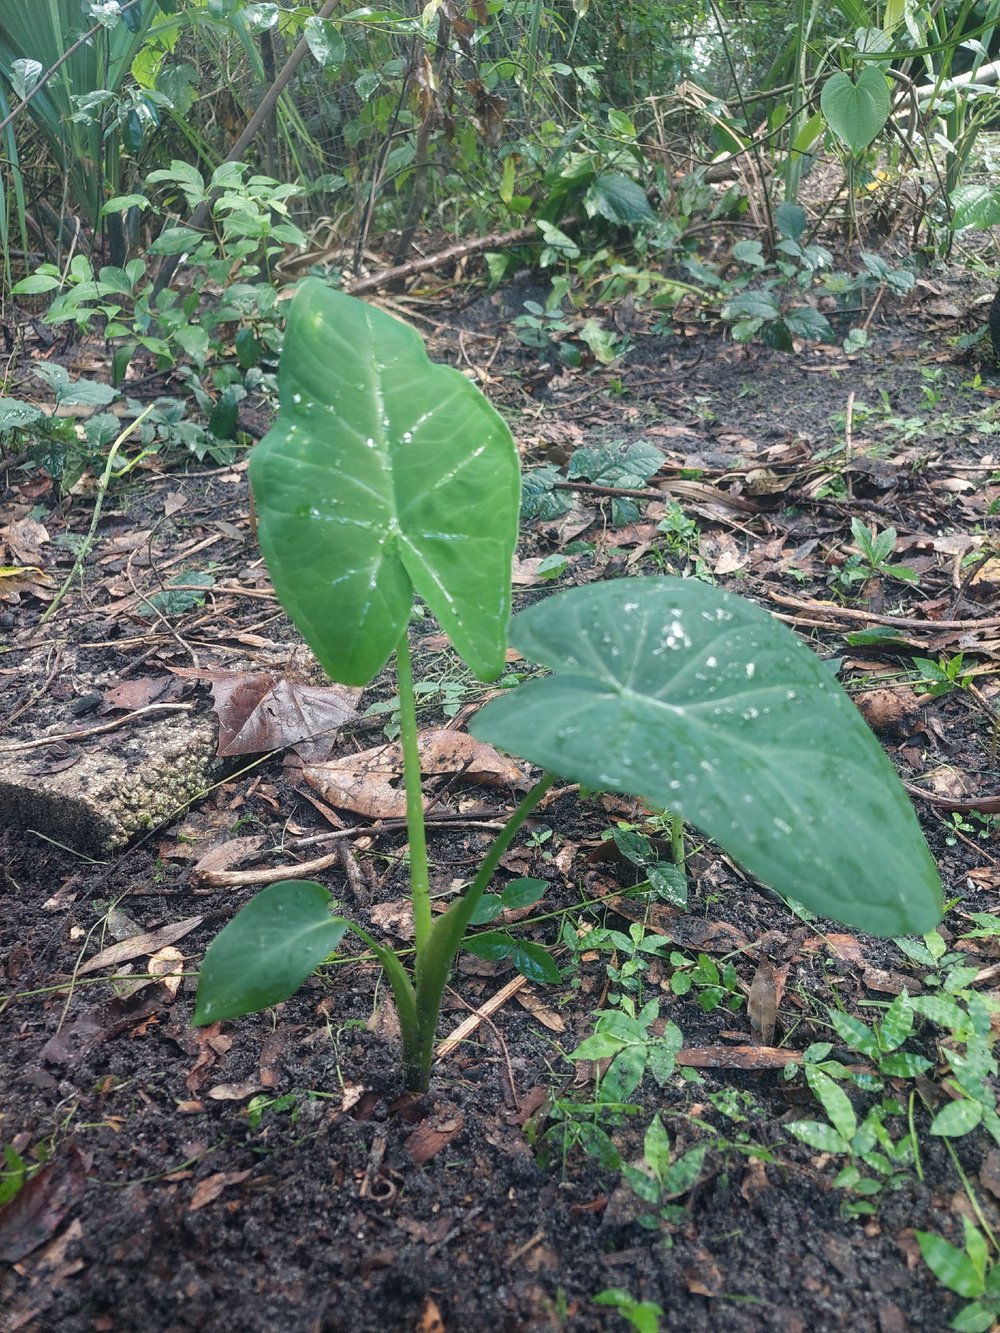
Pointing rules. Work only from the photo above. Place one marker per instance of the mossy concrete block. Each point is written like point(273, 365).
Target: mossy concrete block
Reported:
point(97, 794)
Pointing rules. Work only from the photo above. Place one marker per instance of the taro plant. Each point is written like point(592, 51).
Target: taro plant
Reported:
point(386, 477)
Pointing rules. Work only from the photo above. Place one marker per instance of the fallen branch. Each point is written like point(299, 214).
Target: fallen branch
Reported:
point(476, 245)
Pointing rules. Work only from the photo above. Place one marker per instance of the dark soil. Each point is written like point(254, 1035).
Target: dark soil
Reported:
point(269, 1173)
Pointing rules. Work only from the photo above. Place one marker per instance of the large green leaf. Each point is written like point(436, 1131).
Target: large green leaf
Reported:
point(702, 703)
point(383, 474)
point(266, 952)
point(856, 111)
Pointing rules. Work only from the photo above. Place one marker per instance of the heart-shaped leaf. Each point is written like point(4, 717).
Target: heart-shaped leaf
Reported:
point(702, 703)
point(383, 474)
point(856, 112)
point(266, 952)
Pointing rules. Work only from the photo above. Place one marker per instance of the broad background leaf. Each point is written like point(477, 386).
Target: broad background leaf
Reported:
point(702, 703)
point(856, 111)
point(384, 473)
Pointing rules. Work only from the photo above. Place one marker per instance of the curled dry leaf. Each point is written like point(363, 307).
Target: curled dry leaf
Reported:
point(370, 783)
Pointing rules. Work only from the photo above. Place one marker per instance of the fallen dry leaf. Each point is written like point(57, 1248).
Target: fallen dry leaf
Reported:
point(762, 1003)
point(259, 712)
point(369, 783)
point(41, 1205)
point(138, 946)
point(433, 1134)
point(142, 691)
point(212, 1186)
point(230, 853)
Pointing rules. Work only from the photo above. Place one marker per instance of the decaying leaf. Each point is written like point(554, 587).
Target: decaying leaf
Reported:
point(370, 783)
point(258, 712)
point(41, 1205)
point(762, 1003)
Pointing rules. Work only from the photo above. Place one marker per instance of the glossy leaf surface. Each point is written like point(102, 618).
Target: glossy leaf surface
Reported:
point(384, 473)
point(267, 951)
point(707, 706)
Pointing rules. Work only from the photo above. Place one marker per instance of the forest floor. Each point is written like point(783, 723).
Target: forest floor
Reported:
point(268, 1173)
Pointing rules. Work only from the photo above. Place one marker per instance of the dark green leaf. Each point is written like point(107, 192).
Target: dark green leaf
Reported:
point(267, 951)
point(618, 199)
point(704, 704)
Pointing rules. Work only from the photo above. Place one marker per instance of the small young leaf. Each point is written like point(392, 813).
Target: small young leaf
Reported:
point(951, 1266)
point(267, 951)
point(957, 1118)
point(834, 1100)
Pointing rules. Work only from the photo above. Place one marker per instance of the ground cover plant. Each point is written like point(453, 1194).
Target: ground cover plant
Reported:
point(384, 477)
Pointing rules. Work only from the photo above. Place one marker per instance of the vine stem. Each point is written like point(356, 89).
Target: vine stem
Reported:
point(415, 829)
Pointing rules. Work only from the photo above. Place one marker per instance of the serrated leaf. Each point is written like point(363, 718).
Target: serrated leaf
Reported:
point(707, 706)
point(751, 305)
point(975, 206)
point(267, 951)
point(383, 474)
point(805, 322)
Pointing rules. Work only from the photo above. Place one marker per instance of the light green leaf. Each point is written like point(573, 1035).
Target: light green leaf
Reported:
point(383, 474)
point(267, 951)
point(975, 206)
point(14, 414)
point(951, 1266)
point(817, 1134)
point(35, 284)
point(957, 1118)
point(834, 1100)
point(856, 112)
point(707, 706)
point(598, 1046)
point(325, 42)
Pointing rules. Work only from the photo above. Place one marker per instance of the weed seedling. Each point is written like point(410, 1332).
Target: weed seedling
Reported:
point(387, 478)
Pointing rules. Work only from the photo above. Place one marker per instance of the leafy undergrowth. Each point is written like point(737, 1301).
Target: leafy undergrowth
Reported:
point(724, 1115)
